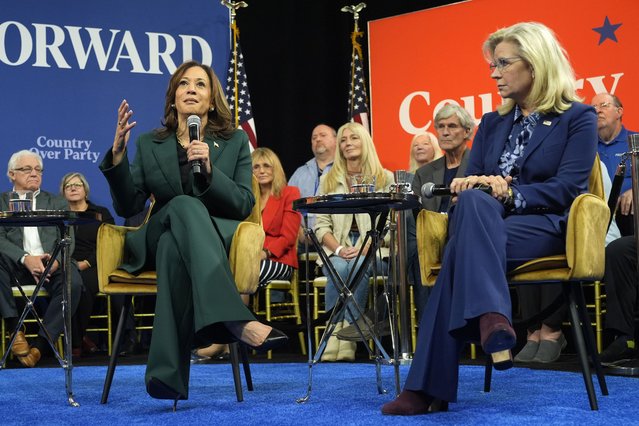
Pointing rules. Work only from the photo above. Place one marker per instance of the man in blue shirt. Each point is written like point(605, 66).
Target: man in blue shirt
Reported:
point(307, 176)
point(613, 141)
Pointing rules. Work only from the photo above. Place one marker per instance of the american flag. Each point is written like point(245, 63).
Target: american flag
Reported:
point(237, 95)
point(357, 96)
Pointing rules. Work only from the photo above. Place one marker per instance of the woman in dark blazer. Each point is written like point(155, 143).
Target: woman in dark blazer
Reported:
point(536, 152)
point(75, 188)
point(189, 233)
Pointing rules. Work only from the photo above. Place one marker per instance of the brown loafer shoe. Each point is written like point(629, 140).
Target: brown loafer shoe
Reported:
point(411, 403)
point(20, 345)
point(31, 359)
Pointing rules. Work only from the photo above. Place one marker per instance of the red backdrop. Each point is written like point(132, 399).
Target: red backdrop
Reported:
point(423, 60)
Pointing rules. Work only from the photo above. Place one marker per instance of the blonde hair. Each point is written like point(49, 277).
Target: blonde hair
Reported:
point(269, 157)
point(553, 87)
point(370, 161)
point(437, 151)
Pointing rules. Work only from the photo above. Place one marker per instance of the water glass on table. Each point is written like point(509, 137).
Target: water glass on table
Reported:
point(362, 184)
point(20, 202)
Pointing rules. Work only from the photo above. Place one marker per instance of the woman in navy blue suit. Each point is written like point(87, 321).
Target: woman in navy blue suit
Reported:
point(536, 152)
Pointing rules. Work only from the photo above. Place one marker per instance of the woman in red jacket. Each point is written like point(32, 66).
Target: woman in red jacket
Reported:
point(280, 221)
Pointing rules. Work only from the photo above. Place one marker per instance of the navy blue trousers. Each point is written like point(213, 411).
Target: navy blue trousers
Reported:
point(483, 244)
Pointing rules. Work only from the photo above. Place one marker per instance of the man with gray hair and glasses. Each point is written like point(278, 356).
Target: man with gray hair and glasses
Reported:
point(24, 253)
point(613, 141)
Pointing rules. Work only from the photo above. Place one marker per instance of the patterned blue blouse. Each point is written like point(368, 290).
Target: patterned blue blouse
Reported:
point(510, 160)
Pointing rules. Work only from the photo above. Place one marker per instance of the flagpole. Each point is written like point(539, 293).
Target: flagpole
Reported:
point(233, 6)
point(357, 48)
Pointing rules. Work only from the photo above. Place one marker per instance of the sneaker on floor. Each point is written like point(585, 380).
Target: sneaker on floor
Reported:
point(619, 351)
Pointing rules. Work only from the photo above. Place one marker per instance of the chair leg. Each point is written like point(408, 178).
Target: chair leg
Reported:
point(577, 329)
point(235, 365)
point(113, 361)
point(488, 373)
point(590, 339)
point(247, 367)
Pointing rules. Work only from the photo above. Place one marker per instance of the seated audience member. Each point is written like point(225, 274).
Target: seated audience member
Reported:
point(280, 222)
point(454, 127)
point(75, 189)
point(24, 252)
point(423, 149)
point(613, 140)
point(307, 176)
point(342, 235)
point(536, 153)
point(622, 292)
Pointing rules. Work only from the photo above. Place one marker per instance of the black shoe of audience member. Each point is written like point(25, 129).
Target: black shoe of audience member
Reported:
point(620, 350)
point(128, 347)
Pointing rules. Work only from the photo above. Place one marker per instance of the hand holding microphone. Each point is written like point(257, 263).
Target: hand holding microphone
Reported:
point(497, 186)
point(430, 190)
point(197, 151)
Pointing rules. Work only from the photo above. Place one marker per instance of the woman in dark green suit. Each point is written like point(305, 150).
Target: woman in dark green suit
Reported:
point(189, 233)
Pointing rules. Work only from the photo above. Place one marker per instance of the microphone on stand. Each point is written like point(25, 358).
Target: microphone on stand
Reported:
point(194, 123)
point(430, 190)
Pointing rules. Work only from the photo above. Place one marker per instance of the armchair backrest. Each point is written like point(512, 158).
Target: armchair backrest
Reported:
point(256, 213)
point(595, 182)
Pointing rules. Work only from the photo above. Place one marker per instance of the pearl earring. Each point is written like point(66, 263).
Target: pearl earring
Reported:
point(172, 106)
point(212, 108)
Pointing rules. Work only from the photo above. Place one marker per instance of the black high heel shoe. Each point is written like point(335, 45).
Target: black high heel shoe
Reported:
point(159, 390)
point(274, 340)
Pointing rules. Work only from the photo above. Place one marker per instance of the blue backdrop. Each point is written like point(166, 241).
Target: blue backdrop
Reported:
point(65, 66)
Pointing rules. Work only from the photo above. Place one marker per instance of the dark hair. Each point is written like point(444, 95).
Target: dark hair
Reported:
point(219, 123)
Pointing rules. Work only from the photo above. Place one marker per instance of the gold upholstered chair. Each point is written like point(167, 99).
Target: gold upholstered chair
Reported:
point(244, 258)
point(583, 263)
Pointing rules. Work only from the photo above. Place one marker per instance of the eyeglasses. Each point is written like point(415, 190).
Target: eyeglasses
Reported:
point(603, 105)
point(73, 185)
point(502, 63)
point(27, 170)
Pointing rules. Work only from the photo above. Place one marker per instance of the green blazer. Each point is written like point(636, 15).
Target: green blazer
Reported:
point(155, 170)
point(12, 237)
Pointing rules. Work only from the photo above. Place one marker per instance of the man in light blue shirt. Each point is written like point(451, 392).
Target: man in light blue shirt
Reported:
point(613, 141)
point(307, 176)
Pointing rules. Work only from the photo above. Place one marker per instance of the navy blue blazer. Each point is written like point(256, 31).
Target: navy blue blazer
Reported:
point(556, 163)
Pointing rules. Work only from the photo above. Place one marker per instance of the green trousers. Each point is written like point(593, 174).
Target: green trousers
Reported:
point(196, 289)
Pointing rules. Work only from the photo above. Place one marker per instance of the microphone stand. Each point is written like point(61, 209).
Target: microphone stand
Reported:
point(631, 368)
point(615, 189)
point(401, 267)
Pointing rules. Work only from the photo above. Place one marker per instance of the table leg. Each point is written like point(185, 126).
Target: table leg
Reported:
point(66, 314)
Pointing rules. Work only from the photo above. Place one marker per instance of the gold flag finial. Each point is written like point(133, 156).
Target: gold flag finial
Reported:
point(233, 6)
point(355, 11)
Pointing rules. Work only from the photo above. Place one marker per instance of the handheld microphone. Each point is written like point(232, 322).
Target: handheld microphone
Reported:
point(194, 123)
point(430, 190)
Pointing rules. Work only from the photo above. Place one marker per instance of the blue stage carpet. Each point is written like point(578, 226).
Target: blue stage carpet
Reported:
point(343, 394)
